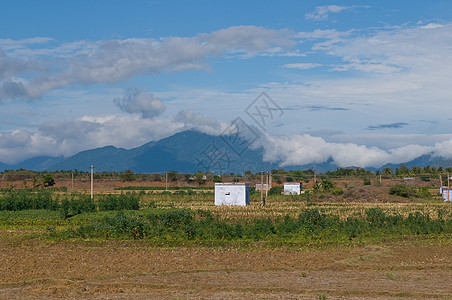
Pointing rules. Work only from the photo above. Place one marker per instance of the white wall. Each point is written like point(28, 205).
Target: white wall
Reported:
point(445, 194)
point(258, 186)
point(232, 194)
point(292, 188)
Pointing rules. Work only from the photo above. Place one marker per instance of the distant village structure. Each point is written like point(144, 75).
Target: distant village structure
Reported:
point(292, 188)
point(445, 190)
point(232, 194)
point(264, 187)
point(446, 193)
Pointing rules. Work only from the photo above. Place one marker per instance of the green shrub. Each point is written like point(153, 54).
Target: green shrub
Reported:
point(337, 191)
point(403, 190)
point(276, 190)
point(423, 192)
point(15, 200)
point(311, 225)
point(375, 216)
point(119, 202)
point(408, 191)
point(77, 204)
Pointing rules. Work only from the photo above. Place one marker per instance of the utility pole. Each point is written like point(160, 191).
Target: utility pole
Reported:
point(166, 181)
point(268, 184)
point(271, 180)
point(262, 185)
point(72, 184)
point(92, 181)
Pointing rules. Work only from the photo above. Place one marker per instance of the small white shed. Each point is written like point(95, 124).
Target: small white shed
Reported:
point(292, 188)
point(445, 193)
point(232, 194)
point(260, 186)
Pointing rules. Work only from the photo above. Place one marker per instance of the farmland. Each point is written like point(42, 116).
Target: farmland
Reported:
point(152, 243)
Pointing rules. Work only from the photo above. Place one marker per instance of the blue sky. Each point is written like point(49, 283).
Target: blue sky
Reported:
point(362, 82)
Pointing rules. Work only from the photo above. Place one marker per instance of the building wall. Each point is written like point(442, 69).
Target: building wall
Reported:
point(259, 186)
point(445, 193)
point(232, 194)
point(292, 188)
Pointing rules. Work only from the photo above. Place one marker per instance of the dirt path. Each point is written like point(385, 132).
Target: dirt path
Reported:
point(134, 270)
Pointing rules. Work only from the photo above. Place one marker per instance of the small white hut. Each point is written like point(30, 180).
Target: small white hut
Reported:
point(232, 194)
point(292, 188)
point(445, 193)
point(263, 187)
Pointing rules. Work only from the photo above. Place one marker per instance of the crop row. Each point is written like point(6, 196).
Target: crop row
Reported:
point(69, 204)
point(310, 225)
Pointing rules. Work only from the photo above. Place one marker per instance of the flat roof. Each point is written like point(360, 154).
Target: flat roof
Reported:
point(231, 184)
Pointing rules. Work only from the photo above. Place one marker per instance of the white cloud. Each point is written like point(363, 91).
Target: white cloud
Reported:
point(387, 75)
point(432, 26)
point(302, 66)
point(322, 12)
point(306, 149)
point(371, 66)
point(112, 61)
point(192, 119)
point(145, 104)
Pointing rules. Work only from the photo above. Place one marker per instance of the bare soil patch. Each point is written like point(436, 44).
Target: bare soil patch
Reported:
point(119, 270)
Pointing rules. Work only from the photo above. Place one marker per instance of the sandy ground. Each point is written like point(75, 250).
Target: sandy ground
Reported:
point(126, 270)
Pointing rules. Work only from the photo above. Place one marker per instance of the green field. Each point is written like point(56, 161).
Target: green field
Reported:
point(168, 219)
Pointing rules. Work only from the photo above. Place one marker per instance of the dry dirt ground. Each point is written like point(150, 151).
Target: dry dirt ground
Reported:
point(33, 269)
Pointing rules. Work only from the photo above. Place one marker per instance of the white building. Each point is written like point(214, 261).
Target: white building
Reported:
point(292, 188)
point(232, 194)
point(445, 192)
point(263, 187)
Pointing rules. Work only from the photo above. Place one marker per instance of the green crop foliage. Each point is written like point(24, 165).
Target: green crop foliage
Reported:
point(311, 225)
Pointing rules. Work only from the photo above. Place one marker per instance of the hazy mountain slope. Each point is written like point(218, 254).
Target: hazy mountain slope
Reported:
point(187, 152)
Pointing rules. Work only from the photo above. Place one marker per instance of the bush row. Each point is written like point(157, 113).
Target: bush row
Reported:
point(310, 225)
point(70, 205)
point(408, 191)
point(27, 199)
point(160, 188)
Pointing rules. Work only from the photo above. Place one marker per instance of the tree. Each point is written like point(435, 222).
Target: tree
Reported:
point(216, 178)
point(387, 171)
point(48, 180)
point(172, 175)
point(128, 175)
point(200, 178)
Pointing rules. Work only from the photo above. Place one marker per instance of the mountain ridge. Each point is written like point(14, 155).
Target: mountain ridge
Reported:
point(186, 152)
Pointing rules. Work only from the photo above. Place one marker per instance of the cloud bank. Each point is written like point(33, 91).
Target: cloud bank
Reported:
point(29, 73)
point(322, 13)
point(307, 149)
point(69, 137)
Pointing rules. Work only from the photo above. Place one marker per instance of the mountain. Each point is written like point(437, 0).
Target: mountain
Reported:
point(422, 161)
point(187, 152)
point(38, 163)
point(4, 167)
